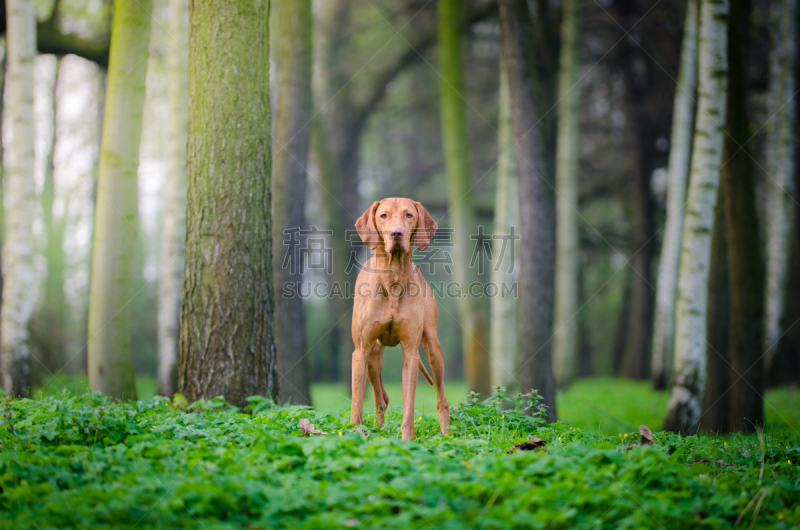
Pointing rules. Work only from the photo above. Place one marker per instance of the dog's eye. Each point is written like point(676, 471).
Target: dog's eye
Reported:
point(409, 215)
point(384, 216)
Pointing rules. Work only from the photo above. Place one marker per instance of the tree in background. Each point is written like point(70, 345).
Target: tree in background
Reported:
point(680, 154)
point(461, 210)
point(746, 271)
point(227, 346)
point(48, 323)
point(565, 340)
point(20, 200)
point(173, 235)
point(110, 356)
point(536, 209)
point(503, 336)
point(290, 155)
point(684, 407)
point(780, 168)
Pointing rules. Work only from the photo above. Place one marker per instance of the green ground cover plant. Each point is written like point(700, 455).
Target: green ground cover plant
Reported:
point(83, 460)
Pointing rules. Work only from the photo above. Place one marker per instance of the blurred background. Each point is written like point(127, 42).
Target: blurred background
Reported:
point(376, 92)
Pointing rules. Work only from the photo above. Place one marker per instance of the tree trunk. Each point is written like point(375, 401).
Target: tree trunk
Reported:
point(173, 236)
point(536, 209)
point(289, 193)
point(20, 197)
point(110, 355)
point(683, 409)
point(781, 159)
point(716, 395)
point(460, 197)
point(565, 343)
point(227, 346)
point(48, 321)
point(744, 248)
point(679, 157)
point(503, 345)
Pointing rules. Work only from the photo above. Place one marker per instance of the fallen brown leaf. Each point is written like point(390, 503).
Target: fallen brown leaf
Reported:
point(534, 445)
point(362, 432)
point(306, 427)
point(647, 435)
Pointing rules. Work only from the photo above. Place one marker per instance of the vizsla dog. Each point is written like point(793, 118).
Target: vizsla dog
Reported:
point(395, 305)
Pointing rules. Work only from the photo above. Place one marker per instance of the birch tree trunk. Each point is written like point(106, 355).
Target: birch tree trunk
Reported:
point(565, 342)
point(110, 356)
point(173, 236)
point(503, 345)
point(19, 198)
point(678, 172)
point(460, 197)
point(781, 159)
point(536, 210)
point(227, 346)
point(290, 157)
point(683, 409)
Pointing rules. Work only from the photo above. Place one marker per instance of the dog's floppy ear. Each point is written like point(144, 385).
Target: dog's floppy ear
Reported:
point(367, 229)
point(426, 227)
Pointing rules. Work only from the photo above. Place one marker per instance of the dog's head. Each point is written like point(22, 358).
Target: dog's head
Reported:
point(397, 223)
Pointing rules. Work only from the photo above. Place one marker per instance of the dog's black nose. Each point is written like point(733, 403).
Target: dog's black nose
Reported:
point(396, 233)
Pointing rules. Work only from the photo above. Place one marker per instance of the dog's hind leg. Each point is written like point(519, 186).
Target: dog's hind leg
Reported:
point(360, 357)
point(430, 342)
point(375, 373)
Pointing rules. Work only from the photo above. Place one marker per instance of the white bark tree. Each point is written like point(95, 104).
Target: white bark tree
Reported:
point(780, 143)
point(565, 323)
point(684, 407)
point(174, 224)
point(503, 334)
point(19, 198)
point(680, 154)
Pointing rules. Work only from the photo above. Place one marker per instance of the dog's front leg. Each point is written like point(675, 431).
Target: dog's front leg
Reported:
point(359, 385)
point(410, 373)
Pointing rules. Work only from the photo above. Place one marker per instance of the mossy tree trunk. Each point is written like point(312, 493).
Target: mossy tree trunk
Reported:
point(290, 156)
point(536, 210)
point(460, 197)
point(684, 407)
point(746, 408)
point(680, 154)
point(227, 346)
point(173, 235)
point(19, 198)
point(565, 340)
point(110, 355)
point(503, 336)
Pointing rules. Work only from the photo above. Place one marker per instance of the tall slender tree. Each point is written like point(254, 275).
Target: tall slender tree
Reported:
point(110, 356)
point(503, 336)
point(565, 340)
point(227, 346)
point(678, 174)
point(746, 409)
point(19, 198)
point(781, 160)
point(460, 197)
point(48, 322)
point(173, 235)
point(536, 209)
point(684, 407)
point(289, 192)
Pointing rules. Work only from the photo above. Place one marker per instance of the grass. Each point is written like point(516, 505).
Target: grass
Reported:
point(86, 461)
point(604, 406)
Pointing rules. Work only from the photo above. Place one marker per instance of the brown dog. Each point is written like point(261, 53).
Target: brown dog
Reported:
point(395, 305)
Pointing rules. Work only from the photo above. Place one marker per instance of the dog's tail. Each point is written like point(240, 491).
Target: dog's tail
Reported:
point(425, 372)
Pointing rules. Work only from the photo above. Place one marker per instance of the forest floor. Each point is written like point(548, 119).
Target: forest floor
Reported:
point(79, 461)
